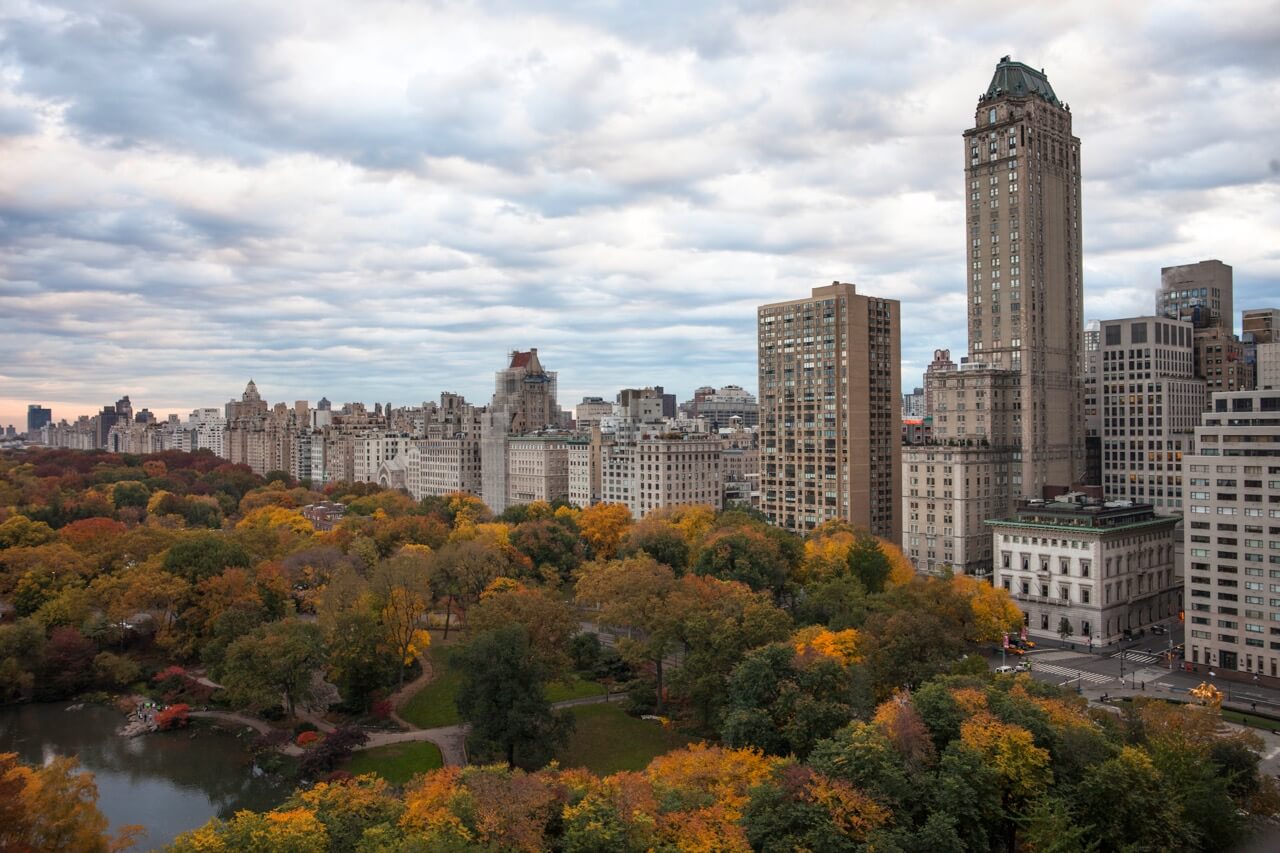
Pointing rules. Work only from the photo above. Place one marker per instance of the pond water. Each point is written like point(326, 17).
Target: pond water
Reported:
point(169, 782)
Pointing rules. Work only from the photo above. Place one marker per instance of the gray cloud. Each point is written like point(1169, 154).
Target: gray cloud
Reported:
point(375, 201)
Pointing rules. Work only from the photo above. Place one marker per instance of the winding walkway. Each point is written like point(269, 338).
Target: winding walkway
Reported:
point(257, 724)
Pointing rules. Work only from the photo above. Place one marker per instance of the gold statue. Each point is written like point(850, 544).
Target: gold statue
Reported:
point(1208, 696)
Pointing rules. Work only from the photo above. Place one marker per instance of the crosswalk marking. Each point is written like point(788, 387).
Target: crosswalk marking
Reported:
point(1137, 657)
point(1053, 669)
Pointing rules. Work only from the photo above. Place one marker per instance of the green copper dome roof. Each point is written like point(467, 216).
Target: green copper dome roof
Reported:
point(1019, 80)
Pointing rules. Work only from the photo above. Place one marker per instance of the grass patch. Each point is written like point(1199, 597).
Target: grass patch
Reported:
point(576, 688)
point(606, 740)
point(1257, 721)
point(398, 762)
point(433, 706)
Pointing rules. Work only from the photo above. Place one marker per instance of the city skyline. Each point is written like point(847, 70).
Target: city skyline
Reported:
point(597, 186)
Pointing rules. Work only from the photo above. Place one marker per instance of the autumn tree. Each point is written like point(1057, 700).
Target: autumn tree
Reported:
point(403, 592)
point(636, 594)
point(717, 623)
point(602, 526)
point(460, 572)
point(502, 698)
point(547, 619)
point(54, 807)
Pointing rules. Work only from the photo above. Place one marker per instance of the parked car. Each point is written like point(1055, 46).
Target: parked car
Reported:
point(1004, 670)
point(1159, 629)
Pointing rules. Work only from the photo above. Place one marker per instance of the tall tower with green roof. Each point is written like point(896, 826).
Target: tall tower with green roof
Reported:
point(1025, 278)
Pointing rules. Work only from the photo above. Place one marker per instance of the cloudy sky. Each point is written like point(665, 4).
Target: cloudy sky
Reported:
point(376, 200)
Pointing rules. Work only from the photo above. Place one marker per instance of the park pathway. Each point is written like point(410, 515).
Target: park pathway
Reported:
point(259, 725)
point(452, 740)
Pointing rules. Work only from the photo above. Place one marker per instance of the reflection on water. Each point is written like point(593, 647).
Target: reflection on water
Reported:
point(167, 782)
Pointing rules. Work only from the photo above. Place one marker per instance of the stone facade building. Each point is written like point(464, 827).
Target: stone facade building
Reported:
point(1107, 568)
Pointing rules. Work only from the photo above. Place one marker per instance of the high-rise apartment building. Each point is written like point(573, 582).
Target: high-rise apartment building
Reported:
point(1232, 538)
point(37, 417)
point(1199, 293)
point(1092, 405)
point(830, 431)
point(1008, 422)
point(524, 401)
point(1150, 402)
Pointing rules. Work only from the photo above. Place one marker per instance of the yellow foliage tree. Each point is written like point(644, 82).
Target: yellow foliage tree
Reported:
point(431, 803)
point(826, 555)
point(840, 646)
point(991, 609)
point(602, 527)
point(1011, 751)
point(901, 571)
point(276, 518)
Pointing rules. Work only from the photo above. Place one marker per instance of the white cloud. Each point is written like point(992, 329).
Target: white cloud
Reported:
point(376, 200)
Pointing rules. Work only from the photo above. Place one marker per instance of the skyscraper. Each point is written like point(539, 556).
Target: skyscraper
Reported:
point(1026, 295)
point(1008, 422)
point(830, 432)
point(37, 417)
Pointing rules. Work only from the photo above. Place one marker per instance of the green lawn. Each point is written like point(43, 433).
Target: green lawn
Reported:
point(433, 705)
point(397, 763)
point(577, 688)
point(1247, 719)
point(606, 740)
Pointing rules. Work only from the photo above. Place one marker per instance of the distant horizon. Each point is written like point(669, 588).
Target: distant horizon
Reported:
point(480, 400)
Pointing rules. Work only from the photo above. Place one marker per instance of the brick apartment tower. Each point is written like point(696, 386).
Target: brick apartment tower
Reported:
point(830, 432)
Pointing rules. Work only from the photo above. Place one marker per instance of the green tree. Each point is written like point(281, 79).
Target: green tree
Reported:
point(868, 563)
point(1127, 806)
point(502, 697)
point(19, 531)
point(204, 556)
point(359, 662)
point(273, 664)
point(718, 622)
point(21, 654)
point(547, 542)
point(547, 619)
point(747, 556)
point(784, 706)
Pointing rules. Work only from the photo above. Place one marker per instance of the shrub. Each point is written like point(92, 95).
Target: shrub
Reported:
point(308, 738)
point(173, 717)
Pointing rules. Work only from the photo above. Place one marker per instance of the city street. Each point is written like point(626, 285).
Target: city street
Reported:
point(1143, 665)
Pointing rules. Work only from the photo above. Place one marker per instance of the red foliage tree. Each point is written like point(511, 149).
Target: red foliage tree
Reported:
point(173, 717)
